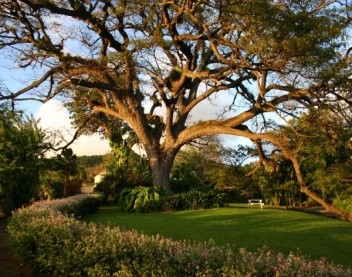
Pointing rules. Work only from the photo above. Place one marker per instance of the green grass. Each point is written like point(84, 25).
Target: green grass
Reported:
point(310, 235)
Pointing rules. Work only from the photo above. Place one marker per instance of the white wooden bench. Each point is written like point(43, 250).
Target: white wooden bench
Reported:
point(252, 202)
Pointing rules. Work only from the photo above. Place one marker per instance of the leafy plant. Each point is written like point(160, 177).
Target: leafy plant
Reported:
point(191, 200)
point(136, 198)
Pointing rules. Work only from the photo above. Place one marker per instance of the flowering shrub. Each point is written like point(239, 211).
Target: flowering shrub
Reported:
point(60, 245)
point(77, 205)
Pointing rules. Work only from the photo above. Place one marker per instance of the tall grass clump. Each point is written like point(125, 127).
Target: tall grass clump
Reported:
point(60, 245)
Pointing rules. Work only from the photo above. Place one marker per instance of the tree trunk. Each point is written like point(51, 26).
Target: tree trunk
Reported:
point(161, 165)
point(328, 207)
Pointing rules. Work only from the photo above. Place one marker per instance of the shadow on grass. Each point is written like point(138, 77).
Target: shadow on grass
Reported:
point(242, 226)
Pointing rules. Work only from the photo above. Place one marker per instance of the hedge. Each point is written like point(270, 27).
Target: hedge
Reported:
point(60, 245)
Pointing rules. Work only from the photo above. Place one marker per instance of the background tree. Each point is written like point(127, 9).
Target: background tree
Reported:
point(279, 187)
point(208, 165)
point(21, 148)
point(197, 165)
point(151, 63)
point(317, 145)
point(322, 142)
point(125, 169)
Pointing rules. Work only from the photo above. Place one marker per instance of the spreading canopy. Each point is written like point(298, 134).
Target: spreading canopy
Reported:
point(150, 63)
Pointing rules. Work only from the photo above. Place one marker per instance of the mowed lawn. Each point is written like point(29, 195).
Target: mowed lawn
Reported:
point(284, 231)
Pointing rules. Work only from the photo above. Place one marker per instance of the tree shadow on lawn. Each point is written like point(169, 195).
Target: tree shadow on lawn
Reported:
point(245, 227)
point(282, 230)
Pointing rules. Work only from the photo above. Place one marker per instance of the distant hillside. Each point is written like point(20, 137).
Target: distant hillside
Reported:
point(89, 161)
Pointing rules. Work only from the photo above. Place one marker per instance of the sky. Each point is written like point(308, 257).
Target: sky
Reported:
point(53, 116)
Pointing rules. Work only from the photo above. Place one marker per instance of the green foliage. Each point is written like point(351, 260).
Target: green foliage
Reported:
point(321, 139)
point(197, 168)
point(135, 199)
point(66, 163)
point(125, 170)
point(188, 182)
point(193, 200)
point(345, 204)
point(190, 200)
point(288, 32)
point(59, 245)
point(107, 188)
point(279, 188)
point(52, 190)
point(21, 146)
point(89, 161)
point(60, 174)
point(155, 199)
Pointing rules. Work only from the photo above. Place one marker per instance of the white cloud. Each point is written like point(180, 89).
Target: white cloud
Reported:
point(55, 118)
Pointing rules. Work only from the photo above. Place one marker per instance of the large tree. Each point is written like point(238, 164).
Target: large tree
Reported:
point(151, 63)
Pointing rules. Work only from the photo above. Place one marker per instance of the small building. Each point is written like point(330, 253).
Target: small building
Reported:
point(99, 177)
point(87, 189)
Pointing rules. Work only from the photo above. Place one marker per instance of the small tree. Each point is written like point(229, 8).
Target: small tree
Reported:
point(21, 149)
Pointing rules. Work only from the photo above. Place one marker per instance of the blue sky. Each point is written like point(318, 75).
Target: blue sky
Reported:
point(52, 115)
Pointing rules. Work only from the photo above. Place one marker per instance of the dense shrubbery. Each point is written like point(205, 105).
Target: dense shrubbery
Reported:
point(344, 204)
point(60, 245)
point(144, 199)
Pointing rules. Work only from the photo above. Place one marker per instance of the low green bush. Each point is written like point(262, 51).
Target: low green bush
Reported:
point(151, 199)
point(344, 204)
point(135, 199)
point(27, 224)
point(60, 245)
point(191, 200)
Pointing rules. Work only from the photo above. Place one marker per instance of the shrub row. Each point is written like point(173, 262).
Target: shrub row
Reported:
point(60, 245)
point(143, 199)
point(78, 205)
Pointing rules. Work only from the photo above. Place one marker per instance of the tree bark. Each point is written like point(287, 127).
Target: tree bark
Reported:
point(160, 166)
